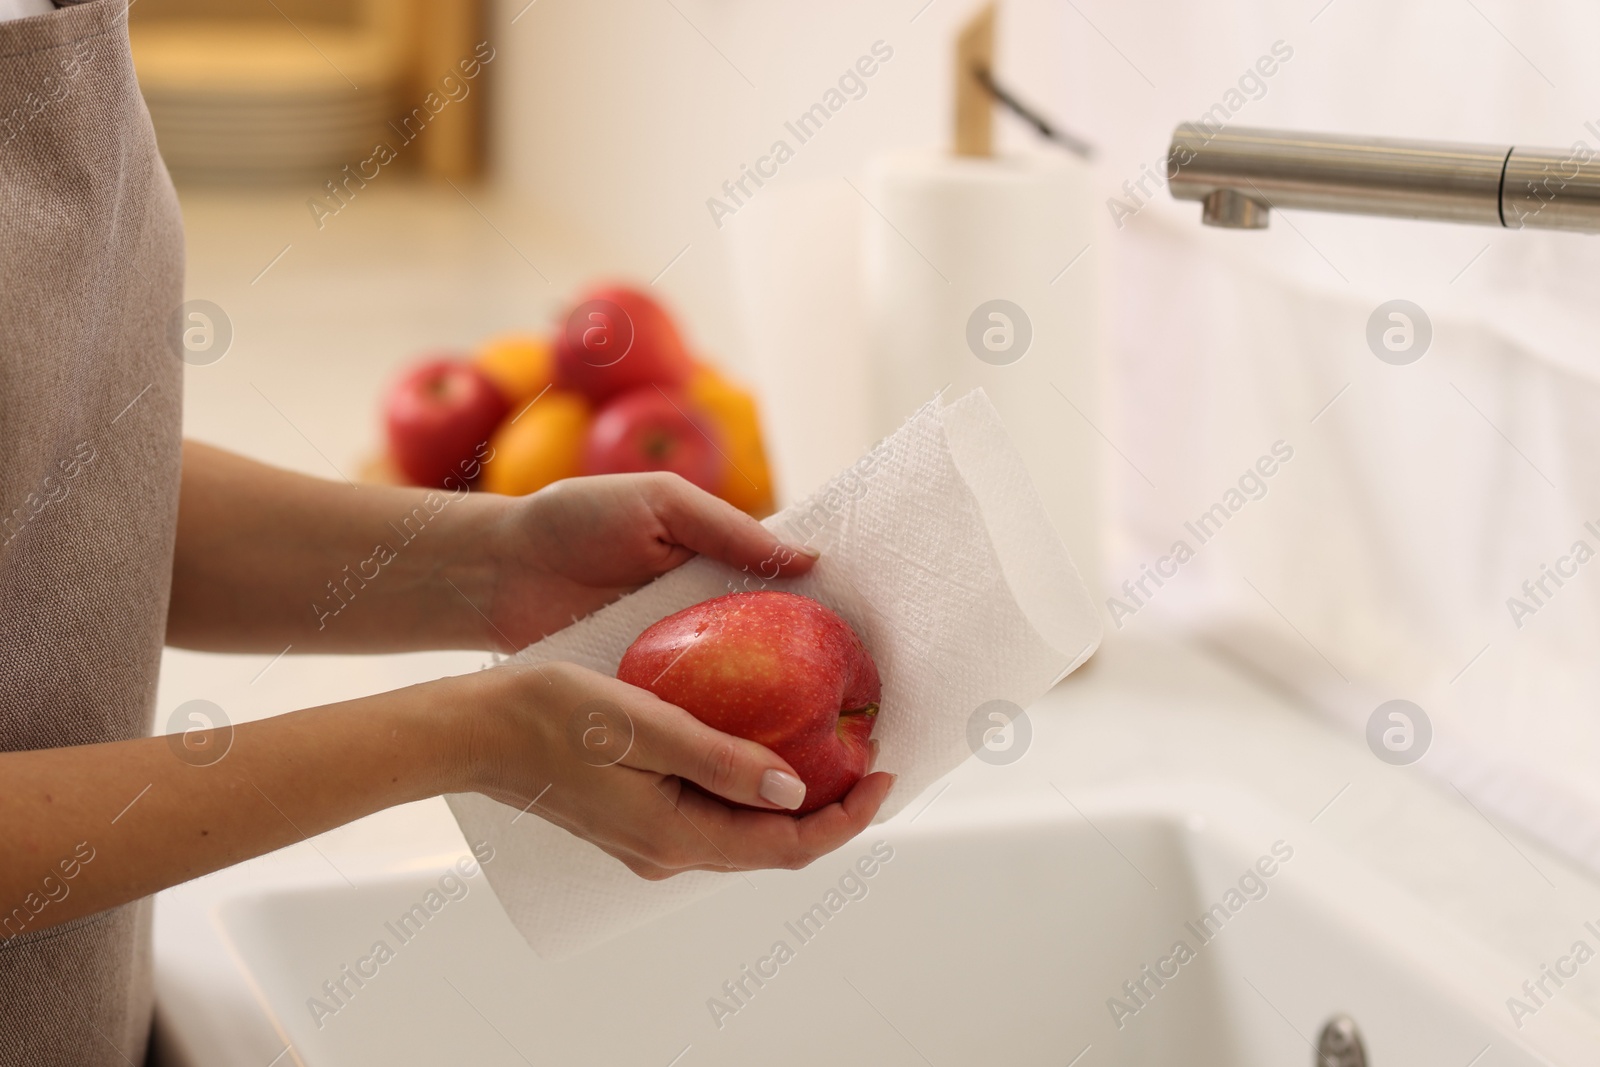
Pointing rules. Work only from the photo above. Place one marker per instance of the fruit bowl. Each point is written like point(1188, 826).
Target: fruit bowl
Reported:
point(614, 389)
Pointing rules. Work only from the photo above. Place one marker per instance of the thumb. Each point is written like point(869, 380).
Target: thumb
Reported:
point(668, 740)
point(713, 527)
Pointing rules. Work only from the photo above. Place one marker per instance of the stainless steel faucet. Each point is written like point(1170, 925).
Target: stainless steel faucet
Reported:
point(1239, 175)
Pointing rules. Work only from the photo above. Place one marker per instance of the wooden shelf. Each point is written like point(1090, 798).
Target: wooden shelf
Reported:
point(271, 61)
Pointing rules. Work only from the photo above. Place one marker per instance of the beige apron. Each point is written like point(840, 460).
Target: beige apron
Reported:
point(91, 272)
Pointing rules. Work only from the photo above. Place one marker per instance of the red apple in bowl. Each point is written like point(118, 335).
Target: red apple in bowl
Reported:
point(616, 339)
point(772, 667)
point(437, 414)
point(652, 430)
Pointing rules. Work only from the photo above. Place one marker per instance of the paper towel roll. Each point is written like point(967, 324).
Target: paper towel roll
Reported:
point(981, 273)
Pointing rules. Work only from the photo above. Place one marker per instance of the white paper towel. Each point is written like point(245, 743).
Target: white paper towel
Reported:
point(936, 549)
point(947, 236)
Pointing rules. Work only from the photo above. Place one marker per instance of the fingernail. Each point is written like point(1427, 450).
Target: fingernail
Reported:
point(782, 789)
point(893, 779)
point(809, 552)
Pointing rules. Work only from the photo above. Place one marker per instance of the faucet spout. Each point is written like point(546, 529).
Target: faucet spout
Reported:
point(1239, 175)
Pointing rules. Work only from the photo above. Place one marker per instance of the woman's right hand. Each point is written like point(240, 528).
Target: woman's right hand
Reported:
point(607, 761)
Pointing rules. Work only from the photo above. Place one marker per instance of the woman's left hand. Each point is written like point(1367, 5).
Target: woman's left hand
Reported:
point(575, 546)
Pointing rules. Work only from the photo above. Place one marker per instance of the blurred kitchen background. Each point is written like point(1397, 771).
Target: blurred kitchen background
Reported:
point(1380, 559)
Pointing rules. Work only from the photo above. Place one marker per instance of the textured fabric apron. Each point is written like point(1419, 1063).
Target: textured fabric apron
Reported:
point(91, 273)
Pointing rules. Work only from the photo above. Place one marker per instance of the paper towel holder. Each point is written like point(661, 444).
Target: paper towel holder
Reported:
point(977, 91)
point(974, 111)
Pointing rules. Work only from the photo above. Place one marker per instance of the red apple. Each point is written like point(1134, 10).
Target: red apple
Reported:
point(437, 414)
point(652, 430)
point(616, 339)
point(775, 668)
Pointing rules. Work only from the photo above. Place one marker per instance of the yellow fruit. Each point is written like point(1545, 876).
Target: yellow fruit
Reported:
point(543, 445)
point(520, 364)
point(748, 483)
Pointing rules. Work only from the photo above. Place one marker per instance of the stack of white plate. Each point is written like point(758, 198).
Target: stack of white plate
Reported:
point(263, 101)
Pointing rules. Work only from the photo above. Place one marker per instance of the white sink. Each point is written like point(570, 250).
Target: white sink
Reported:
point(998, 933)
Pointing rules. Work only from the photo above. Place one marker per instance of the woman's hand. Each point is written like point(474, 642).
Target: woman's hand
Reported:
point(602, 759)
point(569, 549)
point(609, 762)
point(267, 558)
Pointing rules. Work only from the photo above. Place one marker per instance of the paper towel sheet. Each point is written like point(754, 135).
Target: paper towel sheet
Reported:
point(936, 549)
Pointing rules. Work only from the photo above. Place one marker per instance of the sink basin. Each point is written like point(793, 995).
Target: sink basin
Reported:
point(1039, 925)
